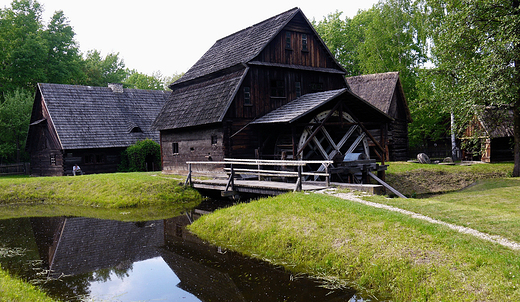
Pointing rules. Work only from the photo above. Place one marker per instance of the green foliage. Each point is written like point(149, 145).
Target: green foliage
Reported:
point(101, 71)
point(138, 80)
point(388, 37)
point(141, 157)
point(15, 112)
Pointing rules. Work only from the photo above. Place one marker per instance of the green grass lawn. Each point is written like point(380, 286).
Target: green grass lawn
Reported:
point(384, 253)
point(113, 190)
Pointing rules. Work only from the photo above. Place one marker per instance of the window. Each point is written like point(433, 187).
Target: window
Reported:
point(317, 87)
point(247, 96)
point(298, 89)
point(100, 158)
point(277, 88)
point(53, 159)
point(89, 159)
point(213, 139)
point(304, 42)
point(288, 40)
point(175, 148)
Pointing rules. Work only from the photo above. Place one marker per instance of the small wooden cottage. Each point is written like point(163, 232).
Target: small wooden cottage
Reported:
point(384, 91)
point(88, 126)
point(489, 136)
point(270, 91)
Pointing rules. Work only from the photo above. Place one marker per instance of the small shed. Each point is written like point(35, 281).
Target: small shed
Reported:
point(489, 136)
point(385, 92)
point(88, 126)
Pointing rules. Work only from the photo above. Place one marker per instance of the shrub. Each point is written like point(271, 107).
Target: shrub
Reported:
point(142, 156)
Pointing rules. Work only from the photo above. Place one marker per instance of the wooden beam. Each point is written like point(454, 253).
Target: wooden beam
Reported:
point(376, 143)
point(313, 134)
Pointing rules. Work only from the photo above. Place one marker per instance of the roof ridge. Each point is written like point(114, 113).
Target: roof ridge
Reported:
point(258, 24)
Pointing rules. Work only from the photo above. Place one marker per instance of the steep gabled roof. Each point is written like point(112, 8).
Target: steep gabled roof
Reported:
point(492, 122)
point(88, 117)
point(199, 104)
point(239, 47)
point(294, 110)
point(378, 89)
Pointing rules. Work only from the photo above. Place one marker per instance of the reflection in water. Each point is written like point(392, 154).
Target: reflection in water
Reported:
point(75, 258)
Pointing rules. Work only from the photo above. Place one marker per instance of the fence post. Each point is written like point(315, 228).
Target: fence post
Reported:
point(327, 178)
point(299, 181)
point(188, 179)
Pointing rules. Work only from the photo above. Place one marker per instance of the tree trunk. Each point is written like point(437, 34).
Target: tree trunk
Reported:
point(516, 108)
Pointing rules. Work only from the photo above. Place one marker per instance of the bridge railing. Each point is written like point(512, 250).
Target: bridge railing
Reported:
point(234, 166)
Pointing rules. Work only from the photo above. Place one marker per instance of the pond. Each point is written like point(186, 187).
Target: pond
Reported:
point(86, 259)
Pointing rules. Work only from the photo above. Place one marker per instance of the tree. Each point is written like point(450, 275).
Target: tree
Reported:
point(138, 80)
point(22, 46)
point(477, 55)
point(101, 71)
point(64, 61)
point(15, 113)
point(388, 37)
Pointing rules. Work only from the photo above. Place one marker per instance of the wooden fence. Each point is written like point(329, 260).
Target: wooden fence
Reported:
point(15, 169)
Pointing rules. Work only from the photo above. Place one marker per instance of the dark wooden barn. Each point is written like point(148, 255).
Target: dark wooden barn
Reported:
point(384, 91)
point(270, 91)
point(88, 126)
point(489, 136)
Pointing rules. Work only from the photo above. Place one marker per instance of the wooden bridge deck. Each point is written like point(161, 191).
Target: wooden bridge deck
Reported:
point(254, 186)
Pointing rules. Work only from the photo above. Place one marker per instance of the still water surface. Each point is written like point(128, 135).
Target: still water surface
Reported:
point(84, 259)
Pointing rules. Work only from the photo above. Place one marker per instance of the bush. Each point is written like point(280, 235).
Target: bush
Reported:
point(142, 156)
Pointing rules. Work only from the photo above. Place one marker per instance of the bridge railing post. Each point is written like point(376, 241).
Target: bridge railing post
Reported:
point(188, 179)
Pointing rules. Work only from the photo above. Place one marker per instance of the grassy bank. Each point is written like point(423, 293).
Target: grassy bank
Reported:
point(120, 196)
point(14, 290)
point(383, 253)
point(116, 190)
point(414, 179)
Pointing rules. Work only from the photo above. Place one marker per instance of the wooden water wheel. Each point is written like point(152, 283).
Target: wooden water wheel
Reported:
point(337, 137)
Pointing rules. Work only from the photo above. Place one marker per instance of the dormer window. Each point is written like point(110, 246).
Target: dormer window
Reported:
point(288, 40)
point(136, 129)
point(304, 42)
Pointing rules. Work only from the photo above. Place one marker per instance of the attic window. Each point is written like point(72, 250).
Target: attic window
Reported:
point(136, 129)
point(247, 96)
point(304, 42)
point(288, 40)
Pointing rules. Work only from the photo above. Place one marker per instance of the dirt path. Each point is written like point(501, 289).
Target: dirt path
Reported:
point(491, 238)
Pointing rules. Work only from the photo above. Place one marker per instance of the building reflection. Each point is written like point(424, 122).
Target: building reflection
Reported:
point(72, 246)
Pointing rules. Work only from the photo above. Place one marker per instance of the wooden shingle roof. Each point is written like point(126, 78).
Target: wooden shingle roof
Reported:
point(199, 104)
point(294, 110)
point(378, 89)
point(238, 48)
point(97, 117)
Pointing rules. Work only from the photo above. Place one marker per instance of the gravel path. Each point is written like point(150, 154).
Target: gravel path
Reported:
point(491, 238)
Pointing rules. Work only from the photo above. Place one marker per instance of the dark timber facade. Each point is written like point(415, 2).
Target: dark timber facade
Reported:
point(220, 107)
point(88, 126)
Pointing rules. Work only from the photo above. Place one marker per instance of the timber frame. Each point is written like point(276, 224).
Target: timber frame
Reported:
point(270, 91)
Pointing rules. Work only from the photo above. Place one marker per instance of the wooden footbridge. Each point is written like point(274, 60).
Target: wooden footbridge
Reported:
point(233, 177)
